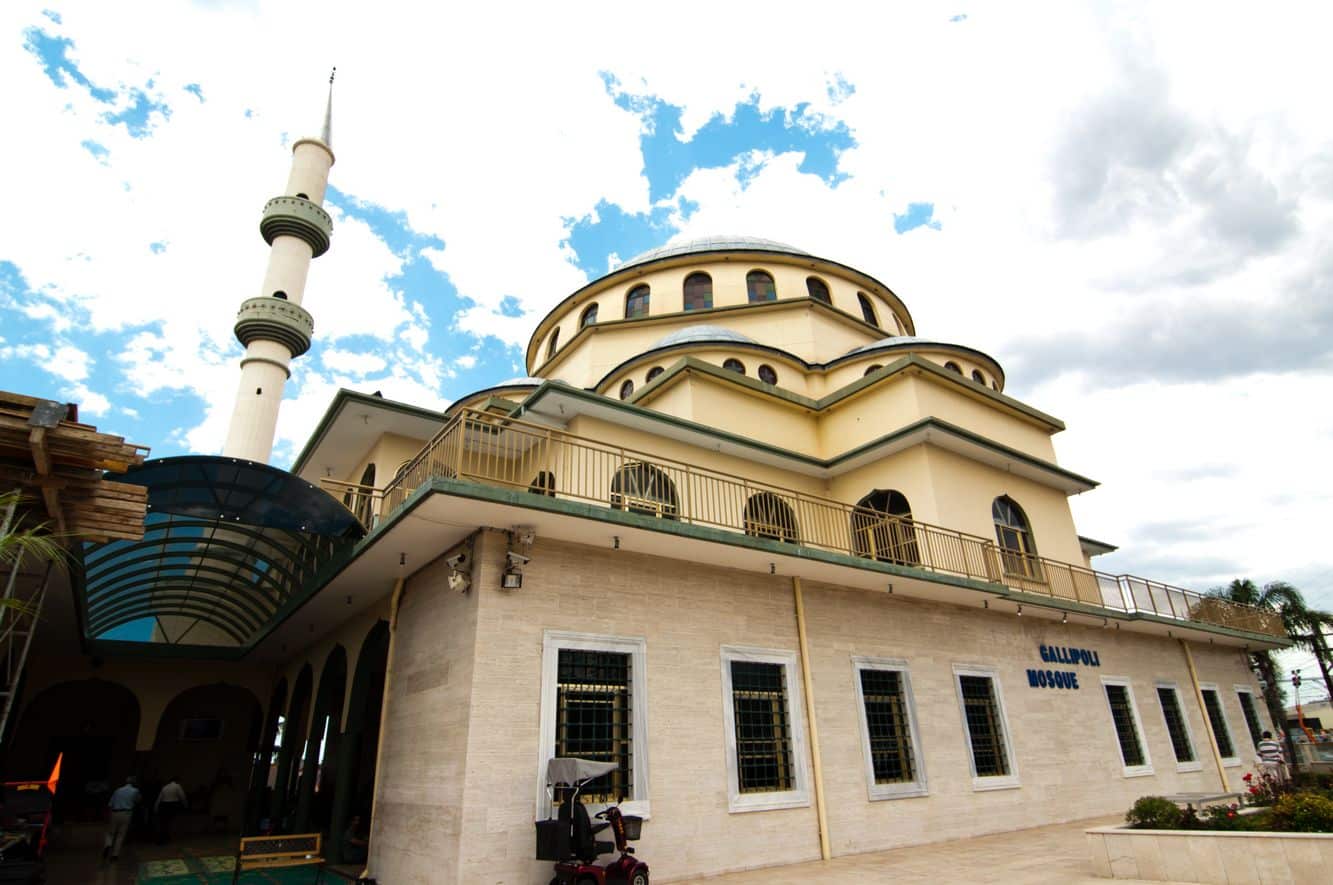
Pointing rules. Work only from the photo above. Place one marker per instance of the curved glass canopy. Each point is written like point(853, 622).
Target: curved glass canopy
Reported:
point(230, 547)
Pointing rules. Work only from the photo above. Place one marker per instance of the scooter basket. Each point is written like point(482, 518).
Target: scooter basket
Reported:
point(552, 840)
point(633, 826)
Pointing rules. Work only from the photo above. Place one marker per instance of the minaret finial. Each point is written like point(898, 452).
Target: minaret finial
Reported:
point(327, 135)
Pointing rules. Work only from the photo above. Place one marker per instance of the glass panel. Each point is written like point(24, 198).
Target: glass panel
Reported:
point(1219, 723)
point(1251, 718)
point(698, 291)
point(1175, 724)
point(593, 717)
point(759, 286)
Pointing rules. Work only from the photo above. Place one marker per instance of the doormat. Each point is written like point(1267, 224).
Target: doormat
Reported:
point(217, 870)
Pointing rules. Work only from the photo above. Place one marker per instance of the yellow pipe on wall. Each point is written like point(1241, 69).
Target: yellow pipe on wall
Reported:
point(394, 601)
point(1203, 709)
point(818, 765)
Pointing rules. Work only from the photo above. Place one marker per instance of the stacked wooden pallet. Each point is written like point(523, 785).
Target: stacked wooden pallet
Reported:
point(52, 458)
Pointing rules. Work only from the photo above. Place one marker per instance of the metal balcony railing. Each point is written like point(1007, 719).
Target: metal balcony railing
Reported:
point(509, 453)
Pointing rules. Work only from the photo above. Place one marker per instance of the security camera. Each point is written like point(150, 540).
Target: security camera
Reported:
point(459, 582)
point(456, 560)
point(517, 560)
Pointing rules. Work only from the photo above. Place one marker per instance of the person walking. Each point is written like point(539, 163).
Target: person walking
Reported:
point(122, 804)
point(1272, 761)
point(170, 802)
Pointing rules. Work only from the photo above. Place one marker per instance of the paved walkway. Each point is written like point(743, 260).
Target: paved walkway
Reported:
point(1054, 855)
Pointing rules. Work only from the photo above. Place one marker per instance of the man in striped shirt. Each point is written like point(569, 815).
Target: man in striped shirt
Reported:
point(1271, 759)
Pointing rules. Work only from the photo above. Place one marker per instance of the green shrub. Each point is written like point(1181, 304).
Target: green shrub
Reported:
point(1303, 813)
point(1220, 817)
point(1154, 813)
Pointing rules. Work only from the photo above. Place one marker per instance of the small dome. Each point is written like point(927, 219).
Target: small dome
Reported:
point(713, 244)
point(702, 333)
point(521, 382)
point(903, 340)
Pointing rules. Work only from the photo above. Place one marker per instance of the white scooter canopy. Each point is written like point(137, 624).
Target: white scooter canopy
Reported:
point(567, 771)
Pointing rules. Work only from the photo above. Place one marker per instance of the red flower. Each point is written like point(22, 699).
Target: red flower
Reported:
point(1248, 777)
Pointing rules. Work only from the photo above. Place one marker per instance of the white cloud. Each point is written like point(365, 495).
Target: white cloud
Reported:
point(350, 363)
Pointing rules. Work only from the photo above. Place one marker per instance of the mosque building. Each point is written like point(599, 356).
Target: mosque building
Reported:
point(808, 577)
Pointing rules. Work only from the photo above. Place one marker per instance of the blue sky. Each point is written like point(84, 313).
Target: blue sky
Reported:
point(1128, 220)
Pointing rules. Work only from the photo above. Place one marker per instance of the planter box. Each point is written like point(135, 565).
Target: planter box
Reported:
point(1213, 857)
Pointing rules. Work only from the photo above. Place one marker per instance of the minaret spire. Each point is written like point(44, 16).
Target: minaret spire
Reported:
point(274, 327)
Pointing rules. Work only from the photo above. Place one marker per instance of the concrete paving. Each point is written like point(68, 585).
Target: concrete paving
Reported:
point(1053, 855)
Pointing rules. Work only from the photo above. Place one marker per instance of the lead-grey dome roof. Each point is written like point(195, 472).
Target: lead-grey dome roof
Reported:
point(702, 333)
point(521, 382)
point(713, 244)
point(901, 340)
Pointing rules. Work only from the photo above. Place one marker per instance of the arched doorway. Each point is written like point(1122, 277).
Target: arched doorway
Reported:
point(360, 741)
point(882, 528)
point(293, 742)
point(94, 723)
point(263, 774)
point(318, 771)
point(206, 740)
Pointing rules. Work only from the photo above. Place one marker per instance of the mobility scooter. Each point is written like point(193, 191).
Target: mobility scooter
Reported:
point(570, 839)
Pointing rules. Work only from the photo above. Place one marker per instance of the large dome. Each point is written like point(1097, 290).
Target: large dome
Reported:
point(713, 244)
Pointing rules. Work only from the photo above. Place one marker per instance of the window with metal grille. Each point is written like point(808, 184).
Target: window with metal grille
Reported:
point(887, 726)
point(985, 729)
point(763, 728)
point(593, 718)
point(1175, 724)
point(1213, 704)
point(1251, 718)
point(1126, 730)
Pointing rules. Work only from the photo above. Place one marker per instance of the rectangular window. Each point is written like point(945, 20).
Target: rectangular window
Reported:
point(1124, 715)
point(1177, 728)
point(987, 734)
point(594, 706)
point(765, 734)
point(1246, 698)
point(888, 729)
point(592, 717)
point(1217, 719)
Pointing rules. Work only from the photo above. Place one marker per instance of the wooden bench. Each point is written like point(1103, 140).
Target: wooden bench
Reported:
point(273, 852)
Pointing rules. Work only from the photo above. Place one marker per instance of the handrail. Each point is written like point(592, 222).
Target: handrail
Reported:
point(509, 452)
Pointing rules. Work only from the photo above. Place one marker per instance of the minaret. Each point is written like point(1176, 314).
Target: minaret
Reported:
point(274, 327)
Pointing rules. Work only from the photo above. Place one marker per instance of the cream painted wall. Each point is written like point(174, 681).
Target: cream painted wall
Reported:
point(387, 453)
point(890, 406)
point(907, 472)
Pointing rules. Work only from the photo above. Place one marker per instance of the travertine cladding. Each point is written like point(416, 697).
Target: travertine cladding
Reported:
point(457, 802)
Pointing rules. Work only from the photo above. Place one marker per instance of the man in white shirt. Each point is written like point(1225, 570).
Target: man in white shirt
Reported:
point(1272, 761)
point(122, 806)
point(170, 802)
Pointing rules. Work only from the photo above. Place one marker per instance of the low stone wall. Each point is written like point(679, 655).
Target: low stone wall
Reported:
point(1213, 857)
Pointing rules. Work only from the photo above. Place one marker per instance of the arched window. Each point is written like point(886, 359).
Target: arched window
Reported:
point(953, 367)
point(363, 500)
point(731, 364)
point(818, 289)
point(873, 368)
point(978, 377)
point(994, 385)
point(642, 488)
point(768, 516)
point(882, 528)
point(653, 373)
point(759, 287)
point(698, 291)
point(589, 316)
point(636, 302)
point(768, 374)
point(551, 345)
point(867, 309)
point(1017, 549)
point(626, 389)
point(543, 484)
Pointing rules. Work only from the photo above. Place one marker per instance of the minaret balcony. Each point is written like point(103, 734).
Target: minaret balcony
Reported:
point(289, 216)
point(275, 319)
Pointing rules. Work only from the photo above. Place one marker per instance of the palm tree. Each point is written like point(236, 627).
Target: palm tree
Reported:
point(1312, 624)
point(18, 543)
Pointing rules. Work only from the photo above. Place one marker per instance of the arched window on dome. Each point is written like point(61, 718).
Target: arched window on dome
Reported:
point(636, 302)
point(626, 389)
point(543, 484)
point(1018, 551)
point(698, 291)
point(978, 377)
point(872, 368)
point(768, 374)
point(642, 488)
point(882, 528)
point(818, 289)
point(995, 385)
point(731, 364)
point(652, 374)
point(589, 316)
point(953, 367)
point(759, 287)
point(768, 516)
point(553, 343)
point(867, 309)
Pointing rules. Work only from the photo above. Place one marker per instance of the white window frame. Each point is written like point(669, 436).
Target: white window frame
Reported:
point(1258, 711)
point(799, 797)
point(1128, 770)
point(1008, 781)
point(1227, 761)
point(637, 648)
point(906, 789)
point(1197, 764)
